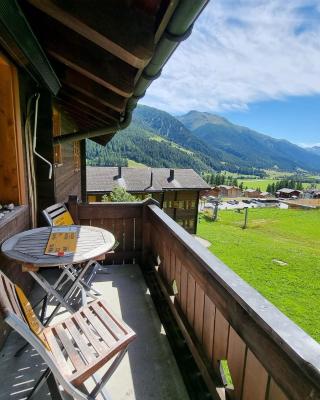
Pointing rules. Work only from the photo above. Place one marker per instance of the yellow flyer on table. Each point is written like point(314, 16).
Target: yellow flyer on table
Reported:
point(62, 241)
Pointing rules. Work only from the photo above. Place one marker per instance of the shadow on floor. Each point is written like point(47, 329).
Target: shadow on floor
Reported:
point(148, 371)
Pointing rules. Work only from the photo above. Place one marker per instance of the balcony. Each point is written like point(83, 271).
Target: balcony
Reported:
point(223, 320)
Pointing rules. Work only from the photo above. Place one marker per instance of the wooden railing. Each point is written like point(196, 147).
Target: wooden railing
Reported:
point(124, 220)
point(221, 316)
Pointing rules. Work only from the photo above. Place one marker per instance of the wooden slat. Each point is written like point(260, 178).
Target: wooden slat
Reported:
point(172, 266)
point(255, 379)
point(191, 299)
point(184, 288)
point(92, 337)
point(199, 313)
point(76, 360)
point(108, 322)
point(208, 326)
point(129, 234)
point(220, 343)
point(178, 279)
point(166, 262)
point(99, 327)
point(138, 233)
point(236, 361)
point(56, 351)
point(86, 350)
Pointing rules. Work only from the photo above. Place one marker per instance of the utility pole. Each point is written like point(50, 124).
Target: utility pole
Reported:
point(215, 211)
point(245, 218)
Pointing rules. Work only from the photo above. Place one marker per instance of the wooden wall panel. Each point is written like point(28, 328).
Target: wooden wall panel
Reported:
point(12, 161)
point(67, 180)
point(208, 326)
point(184, 288)
point(220, 341)
point(236, 361)
point(275, 393)
point(191, 294)
point(255, 379)
point(199, 313)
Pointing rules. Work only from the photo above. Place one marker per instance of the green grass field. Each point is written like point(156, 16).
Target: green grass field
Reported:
point(263, 183)
point(257, 183)
point(291, 236)
point(134, 164)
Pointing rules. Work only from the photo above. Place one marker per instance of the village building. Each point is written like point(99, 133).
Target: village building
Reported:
point(176, 190)
point(251, 193)
point(264, 195)
point(311, 194)
point(288, 193)
point(229, 191)
point(214, 191)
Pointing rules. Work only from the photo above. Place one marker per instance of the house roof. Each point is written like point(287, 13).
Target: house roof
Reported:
point(286, 190)
point(99, 55)
point(105, 179)
point(251, 190)
point(228, 187)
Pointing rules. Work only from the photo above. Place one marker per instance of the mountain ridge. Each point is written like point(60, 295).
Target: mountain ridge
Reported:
point(202, 141)
point(219, 133)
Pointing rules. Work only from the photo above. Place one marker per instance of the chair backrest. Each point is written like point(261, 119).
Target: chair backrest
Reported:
point(57, 215)
point(14, 317)
point(9, 301)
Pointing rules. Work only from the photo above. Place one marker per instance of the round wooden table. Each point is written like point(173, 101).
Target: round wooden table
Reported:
point(29, 247)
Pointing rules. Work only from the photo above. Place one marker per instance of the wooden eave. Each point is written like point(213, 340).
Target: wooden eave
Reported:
point(98, 50)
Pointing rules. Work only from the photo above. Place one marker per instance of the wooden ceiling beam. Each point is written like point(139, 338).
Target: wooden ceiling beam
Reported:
point(90, 103)
point(71, 105)
point(83, 122)
point(81, 55)
point(92, 71)
point(82, 84)
point(110, 25)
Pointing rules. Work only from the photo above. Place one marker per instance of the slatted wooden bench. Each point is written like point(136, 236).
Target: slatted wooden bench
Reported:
point(75, 348)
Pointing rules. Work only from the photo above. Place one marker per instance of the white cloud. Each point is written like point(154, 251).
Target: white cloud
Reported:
point(242, 51)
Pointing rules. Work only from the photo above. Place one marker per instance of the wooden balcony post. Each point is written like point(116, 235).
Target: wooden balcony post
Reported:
point(146, 243)
point(73, 208)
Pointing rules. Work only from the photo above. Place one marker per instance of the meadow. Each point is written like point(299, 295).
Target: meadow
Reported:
point(263, 183)
point(289, 236)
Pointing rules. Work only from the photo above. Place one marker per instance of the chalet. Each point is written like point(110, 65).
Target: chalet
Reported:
point(264, 195)
point(229, 191)
point(176, 190)
point(288, 193)
point(311, 194)
point(213, 191)
point(68, 74)
point(252, 193)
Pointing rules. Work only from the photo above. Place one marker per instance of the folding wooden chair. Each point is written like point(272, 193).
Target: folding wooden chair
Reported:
point(58, 215)
point(73, 349)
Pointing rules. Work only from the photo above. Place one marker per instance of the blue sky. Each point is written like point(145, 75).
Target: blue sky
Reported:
point(256, 62)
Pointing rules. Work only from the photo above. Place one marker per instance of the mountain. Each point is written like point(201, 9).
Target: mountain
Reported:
point(164, 124)
point(259, 150)
point(143, 146)
point(202, 141)
point(314, 149)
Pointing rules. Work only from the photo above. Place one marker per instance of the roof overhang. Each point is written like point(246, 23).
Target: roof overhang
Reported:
point(104, 53)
